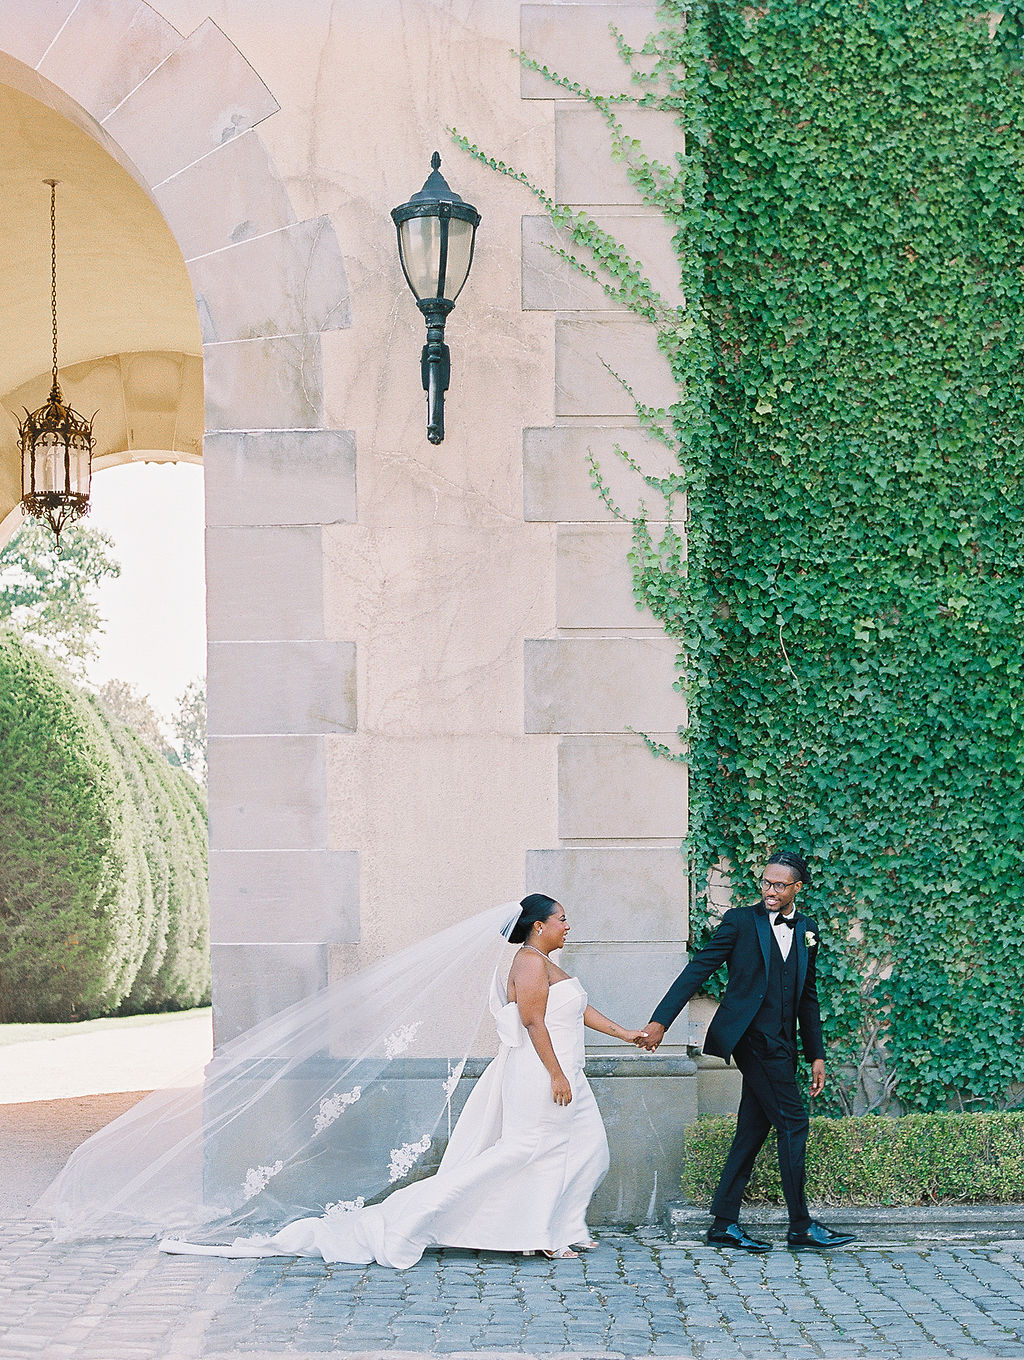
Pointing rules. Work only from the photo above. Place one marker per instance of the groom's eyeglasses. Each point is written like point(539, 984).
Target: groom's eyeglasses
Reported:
point(767, 883)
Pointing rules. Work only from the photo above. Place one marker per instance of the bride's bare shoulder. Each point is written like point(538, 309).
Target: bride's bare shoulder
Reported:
point(528, 970)
point(528, 966)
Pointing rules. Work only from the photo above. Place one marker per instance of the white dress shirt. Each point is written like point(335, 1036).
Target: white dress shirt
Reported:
point(783, 934)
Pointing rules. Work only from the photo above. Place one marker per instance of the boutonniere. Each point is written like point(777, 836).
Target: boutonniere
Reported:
point(811, 940)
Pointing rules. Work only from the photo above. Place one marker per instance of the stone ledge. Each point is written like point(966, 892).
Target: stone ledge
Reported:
point(648, 1065)
point(897, 1225)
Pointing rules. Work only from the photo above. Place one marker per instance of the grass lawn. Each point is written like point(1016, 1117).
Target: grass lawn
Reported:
point(26, 1034)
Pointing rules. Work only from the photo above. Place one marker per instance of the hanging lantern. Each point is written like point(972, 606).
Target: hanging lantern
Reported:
point(56, 442)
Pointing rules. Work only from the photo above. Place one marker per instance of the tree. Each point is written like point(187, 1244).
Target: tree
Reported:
point(135, 709)
point(49, 595)
point(189, 724)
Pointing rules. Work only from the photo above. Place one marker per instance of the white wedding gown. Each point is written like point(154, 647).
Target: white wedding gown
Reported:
point(517, 1175)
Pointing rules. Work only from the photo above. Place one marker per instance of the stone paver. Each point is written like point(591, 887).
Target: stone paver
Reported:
point(638, 1295)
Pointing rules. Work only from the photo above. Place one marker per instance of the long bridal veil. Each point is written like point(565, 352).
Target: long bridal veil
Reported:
point(323, 1107)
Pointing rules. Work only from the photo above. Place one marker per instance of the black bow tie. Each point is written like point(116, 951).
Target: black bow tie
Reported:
point(781, 920)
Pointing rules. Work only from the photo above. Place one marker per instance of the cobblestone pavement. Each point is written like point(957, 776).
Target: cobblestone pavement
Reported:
point(638, 1295)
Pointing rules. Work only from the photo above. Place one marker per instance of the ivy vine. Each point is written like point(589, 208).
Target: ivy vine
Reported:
point(847, 595)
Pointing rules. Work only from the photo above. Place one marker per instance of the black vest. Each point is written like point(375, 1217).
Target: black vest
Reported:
point(776, 1018)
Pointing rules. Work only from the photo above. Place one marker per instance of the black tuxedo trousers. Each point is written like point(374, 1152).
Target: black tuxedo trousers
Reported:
point(766, 1056)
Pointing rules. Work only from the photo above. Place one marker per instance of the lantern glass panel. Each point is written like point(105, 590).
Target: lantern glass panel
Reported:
point(50, 463)
point(421, 254)
point(80, 467)
point(460, 256)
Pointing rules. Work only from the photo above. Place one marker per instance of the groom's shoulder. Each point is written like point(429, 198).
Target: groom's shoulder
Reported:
point(741, 915)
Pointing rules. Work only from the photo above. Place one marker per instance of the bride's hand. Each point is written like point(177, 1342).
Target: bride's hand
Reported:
point(561, 1091)
point(632, 1036)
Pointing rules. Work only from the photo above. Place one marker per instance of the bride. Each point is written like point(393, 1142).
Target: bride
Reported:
point(526, 1154)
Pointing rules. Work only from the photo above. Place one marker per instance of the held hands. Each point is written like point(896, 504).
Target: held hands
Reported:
point(561, 1091)
point(650, 1036)
point(632, 1036)
point(817, 1076)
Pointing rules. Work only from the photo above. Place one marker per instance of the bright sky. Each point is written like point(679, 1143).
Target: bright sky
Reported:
point(155, 615)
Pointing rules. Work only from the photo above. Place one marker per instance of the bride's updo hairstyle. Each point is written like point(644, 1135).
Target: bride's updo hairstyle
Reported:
point(536, 907)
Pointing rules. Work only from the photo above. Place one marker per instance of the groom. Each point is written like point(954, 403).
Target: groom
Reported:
point(770, 951)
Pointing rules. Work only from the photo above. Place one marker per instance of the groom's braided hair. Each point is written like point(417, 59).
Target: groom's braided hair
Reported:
point(789, 859)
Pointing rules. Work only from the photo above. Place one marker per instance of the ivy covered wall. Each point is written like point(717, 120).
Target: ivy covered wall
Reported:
point(863, 290)
point(847, 596)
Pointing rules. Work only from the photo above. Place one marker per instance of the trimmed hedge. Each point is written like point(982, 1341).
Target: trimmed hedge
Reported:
point(175, 972)
point(102, 858)
point(916, 1159)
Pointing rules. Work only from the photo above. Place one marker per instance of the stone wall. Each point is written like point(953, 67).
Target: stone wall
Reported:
point(427, 675)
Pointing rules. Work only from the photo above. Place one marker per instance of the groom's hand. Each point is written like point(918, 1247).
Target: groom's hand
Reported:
point(651, 1036)
point(817, 1076)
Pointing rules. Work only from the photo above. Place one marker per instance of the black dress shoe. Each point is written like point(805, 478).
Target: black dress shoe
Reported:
point(734, 1236)
point(817, 1237)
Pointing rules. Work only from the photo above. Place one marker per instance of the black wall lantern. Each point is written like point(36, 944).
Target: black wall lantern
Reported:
point(436, 232)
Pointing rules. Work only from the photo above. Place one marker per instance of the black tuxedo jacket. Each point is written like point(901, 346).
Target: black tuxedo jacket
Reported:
point(742, 942)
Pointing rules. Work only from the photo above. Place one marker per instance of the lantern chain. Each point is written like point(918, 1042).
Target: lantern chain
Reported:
point(53, 271)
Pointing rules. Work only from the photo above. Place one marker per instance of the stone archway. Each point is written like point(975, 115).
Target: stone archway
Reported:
point(175, 117)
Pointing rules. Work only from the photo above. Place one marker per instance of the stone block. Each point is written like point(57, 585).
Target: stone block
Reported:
point(106, 49)
point(584, 169)
point(286, 282)
point(437, 625)
point(28, 29)
point(646, 1113)
point(601, 685)
point(231, 195)
point(252, 982)
point(280, 477)
point(557, 477)
point(267, 793)
point(202, 95)
point(623, 981)
point(291, 687)
point(576, 41)
point(284, 896)
point(594, 358)
point(264, 584)
point(427, 810)
point(613, 788)
point(615, 892)
point(270, 384)
point(718, 1086)
point(594, 579)
point(551, 283)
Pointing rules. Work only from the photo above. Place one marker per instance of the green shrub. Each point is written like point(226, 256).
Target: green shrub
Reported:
point(916, 1159)
point(74, 921)
point(103, 893)
point(183, 975)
